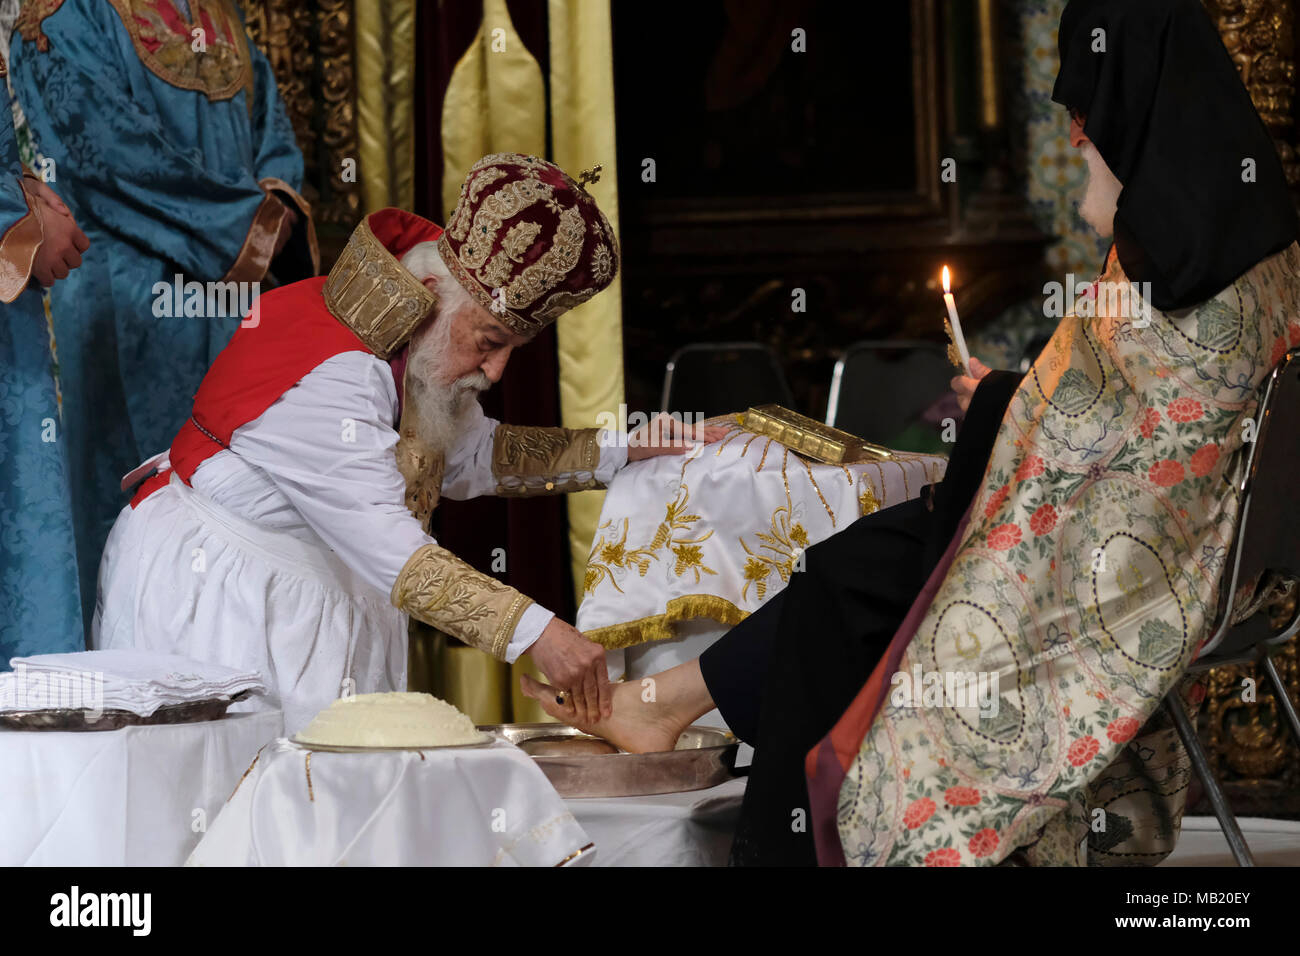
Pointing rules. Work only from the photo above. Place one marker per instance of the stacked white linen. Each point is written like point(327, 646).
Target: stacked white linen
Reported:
point(133, 680)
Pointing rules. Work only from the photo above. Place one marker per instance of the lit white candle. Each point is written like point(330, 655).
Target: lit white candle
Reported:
point(958, 339)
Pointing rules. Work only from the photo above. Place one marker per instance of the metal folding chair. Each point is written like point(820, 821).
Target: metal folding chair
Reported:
point(879, 389)
point(715, 378)
point(1266, 550)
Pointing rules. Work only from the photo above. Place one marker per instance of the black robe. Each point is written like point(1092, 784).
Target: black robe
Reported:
point(783, 676)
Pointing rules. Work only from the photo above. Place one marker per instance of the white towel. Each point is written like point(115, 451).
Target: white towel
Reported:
point(126, 679)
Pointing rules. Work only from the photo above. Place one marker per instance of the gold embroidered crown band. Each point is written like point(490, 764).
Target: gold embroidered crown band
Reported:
point(371, 293)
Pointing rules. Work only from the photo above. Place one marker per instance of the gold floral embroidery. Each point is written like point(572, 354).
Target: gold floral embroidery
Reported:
point(608, 554)
point(481, 182)
point(496, 271)
point(787, 542)
point(441, 590)
point(508, 201)
point(518, 239)
point(559, 303)
point(553, 265)
point(867, 503)
point(530, 460)
point(615, 554)
point(421, 469)
point(515, 446)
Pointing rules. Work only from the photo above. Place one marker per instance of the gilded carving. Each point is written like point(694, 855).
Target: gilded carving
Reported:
point(1259, 37)
point(309, 46)
point(1250, 748)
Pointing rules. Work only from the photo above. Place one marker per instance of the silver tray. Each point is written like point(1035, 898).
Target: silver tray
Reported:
point(356, 749)
point(80, 720)
point(580, 765)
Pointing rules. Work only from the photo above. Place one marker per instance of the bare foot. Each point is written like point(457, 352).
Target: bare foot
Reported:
point(635, 726)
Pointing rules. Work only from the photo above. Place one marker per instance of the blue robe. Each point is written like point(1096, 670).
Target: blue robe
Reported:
point(40, 610)
point(165, 180)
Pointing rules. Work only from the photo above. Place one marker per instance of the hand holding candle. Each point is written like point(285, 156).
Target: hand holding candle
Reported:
point(954, 324)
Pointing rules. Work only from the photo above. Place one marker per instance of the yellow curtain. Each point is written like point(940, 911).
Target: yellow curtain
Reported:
point(495, 102)
point(582, 135)
point(385, 86)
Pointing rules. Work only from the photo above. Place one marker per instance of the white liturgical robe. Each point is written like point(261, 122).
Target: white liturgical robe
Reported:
point(283, 554)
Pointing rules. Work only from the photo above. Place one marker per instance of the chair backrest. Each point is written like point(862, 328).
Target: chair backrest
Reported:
point(715, 378)
point(1268, 525)
point(879, 391)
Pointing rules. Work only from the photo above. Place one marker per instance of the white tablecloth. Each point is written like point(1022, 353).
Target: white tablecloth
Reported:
point(470, 806)
point(687, 547)
point(140, 796)
point(667, 829)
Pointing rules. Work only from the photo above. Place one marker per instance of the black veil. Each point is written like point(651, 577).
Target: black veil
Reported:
point(1169, 114)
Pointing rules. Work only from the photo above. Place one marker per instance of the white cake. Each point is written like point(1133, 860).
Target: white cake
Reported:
point(391, 720)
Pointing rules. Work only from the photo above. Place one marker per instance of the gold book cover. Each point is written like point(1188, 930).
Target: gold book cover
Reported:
point(811, 438)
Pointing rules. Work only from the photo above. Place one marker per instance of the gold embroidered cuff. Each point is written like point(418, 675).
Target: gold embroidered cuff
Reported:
point(259, 245)
point(441, 590)
point(284, 191)
point(18, 247)
point(544, 461)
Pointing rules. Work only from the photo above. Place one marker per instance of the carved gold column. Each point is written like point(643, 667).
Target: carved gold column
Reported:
point(1259, 35)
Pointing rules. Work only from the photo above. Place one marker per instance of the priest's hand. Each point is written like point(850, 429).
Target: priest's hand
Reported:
point(965, 385)
point(665, 435)
point(577, 666)
point(60, 251)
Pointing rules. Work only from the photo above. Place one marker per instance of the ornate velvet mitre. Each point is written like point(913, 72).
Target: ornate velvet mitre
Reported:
point(527, 242)
point(370, 292)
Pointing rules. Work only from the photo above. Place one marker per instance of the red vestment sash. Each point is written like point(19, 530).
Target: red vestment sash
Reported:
point(294, 333)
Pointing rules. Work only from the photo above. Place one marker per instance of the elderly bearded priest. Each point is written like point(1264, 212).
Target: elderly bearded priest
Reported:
point(286, 532)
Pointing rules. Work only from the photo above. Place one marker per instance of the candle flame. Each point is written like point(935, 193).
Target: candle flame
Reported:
point(947, 281)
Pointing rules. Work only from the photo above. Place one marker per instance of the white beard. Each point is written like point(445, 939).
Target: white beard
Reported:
point(438, 408)
point(1101, 198)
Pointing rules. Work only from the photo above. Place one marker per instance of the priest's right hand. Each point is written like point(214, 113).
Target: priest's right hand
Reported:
point(965, 385)
point(575, 664)
point(60, 251)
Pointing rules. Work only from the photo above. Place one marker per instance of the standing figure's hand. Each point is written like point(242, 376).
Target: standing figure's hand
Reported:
point(60, 251)
point(964, 385)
